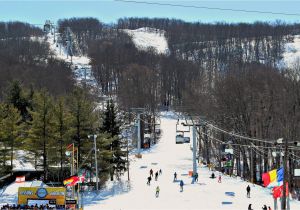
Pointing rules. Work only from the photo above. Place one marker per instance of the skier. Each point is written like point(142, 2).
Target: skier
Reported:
point(156, 176)
point(248, 191)
point(220, 178)
point(175, 176)
point(157, 191)
point(250, 207)
point(149, 180)
point(151, 172)
point(181, 185)
point(160, 172)
point(196, 177)
point(264, 208)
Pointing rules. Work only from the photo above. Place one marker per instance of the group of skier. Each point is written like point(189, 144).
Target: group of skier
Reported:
point(156, 177)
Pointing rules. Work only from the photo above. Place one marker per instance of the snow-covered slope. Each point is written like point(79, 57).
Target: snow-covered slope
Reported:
point(291, 56)
point(207, 194)
point(143, 38)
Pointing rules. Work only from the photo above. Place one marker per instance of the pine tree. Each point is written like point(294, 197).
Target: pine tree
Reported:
point(61, 129)
point(17, 98)
point(11, 128)
point(42, 127)
point(111, 126)
point(83, 120)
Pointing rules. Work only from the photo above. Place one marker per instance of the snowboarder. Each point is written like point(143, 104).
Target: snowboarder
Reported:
point(156, 176)
point(220, 178)
point(181, 185)
point(157, 191)
point(175, 176)
point(160, 172)
point(264, 207)
point(149, 180)
point(196, 177)
point(248, 191)
point(250, 207)
point(151, 172)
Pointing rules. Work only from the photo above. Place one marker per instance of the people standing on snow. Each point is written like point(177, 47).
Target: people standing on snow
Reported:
point(250, 207)
point(149, 180)
point(175, 176)
point(160, 172)
point(157, 191)
point(151, 172)
point(264, 207)
point(248, 191)
point(212, 175)
point(156, 176)
point(196, 177)
point(220, 178)
point(181, 185)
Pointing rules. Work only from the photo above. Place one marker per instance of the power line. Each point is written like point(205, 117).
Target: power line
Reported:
point(210, 8)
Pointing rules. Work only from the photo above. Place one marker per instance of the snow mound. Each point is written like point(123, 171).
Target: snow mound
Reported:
point(145, 38)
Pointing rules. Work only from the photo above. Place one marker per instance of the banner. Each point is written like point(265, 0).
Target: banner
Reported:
point(20, 179)
point(52, 194)
point(278, 191)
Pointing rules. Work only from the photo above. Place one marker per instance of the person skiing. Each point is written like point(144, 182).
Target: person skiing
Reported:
point(181, 185)
point(250, 207)
point(156, 176)
point(220, 179)
point(248, 191)
point(264, 207)
point(160, 172)
point(149, 180)
point(175, 176)
point(196, 177)
point(157, 191)
point(151, 172)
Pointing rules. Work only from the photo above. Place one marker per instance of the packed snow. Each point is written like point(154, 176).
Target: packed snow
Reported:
point(291, 56)
point(170, 157)
point(145, 38)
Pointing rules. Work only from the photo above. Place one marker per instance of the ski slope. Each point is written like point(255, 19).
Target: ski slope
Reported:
point(144, 38)
point(291, 55)
point(171, 157)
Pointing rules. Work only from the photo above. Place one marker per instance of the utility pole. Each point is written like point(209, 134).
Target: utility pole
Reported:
point(251, 164)
point(96, 161)
point(194, 152)
point(285, 174)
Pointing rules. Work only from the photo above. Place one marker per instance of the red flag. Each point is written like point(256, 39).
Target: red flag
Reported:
point(278, 191)
point(266, 179)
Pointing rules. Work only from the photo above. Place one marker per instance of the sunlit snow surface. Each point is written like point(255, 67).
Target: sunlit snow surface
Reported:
point(291, 56)
point(171, 157)
point(143, 38)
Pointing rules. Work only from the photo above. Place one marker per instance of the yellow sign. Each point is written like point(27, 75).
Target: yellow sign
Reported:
point(57, 195)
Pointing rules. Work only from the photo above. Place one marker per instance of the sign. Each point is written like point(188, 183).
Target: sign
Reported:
point(53, 194)
point(71, 202)
point(230, 151)
point(20, 179)
point(296, 172)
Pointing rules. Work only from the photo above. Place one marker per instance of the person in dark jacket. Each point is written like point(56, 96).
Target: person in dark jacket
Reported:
point(149, 180)
point(248, 191)
point(175, 177)
point(181, 185)
point(264, 207)
point(156, 175)
point(250, 207)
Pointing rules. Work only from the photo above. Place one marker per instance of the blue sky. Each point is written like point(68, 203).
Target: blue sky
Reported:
point(108, 11)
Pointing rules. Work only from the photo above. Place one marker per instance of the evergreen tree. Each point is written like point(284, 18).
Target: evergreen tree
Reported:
point(17, 98)
point(61, 126)
point(11, 128)
point(83, 120)
point(42, 127)
point(111, 126)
